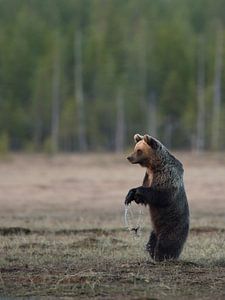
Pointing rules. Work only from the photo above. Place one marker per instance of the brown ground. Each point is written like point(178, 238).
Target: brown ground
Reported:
point(62, 230)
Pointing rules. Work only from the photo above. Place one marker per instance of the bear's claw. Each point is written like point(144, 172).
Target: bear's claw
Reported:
point(130, 196)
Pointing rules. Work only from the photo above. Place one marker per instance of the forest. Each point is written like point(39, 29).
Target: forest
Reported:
point(85, 75)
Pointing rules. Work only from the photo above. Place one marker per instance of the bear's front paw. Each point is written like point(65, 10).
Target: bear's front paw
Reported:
point(139, 196)
point(130, 196)
point(140, 190)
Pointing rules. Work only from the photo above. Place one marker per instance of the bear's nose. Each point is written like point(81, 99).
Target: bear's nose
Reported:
point(129, 158)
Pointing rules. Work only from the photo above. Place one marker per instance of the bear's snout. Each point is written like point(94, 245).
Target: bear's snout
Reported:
point(131, 159)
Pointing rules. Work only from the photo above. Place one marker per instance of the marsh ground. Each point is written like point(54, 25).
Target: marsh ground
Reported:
point(62, 230)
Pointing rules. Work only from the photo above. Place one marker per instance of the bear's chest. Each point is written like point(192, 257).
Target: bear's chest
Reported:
point(147, 182)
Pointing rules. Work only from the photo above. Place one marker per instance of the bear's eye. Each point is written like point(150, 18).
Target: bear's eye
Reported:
point(139, 152)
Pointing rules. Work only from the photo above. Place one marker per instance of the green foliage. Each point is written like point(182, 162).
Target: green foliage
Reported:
point(47, 146)
point(4, 144)
point(143, 47)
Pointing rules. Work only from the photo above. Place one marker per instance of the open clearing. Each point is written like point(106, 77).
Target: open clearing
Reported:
point(62, 230)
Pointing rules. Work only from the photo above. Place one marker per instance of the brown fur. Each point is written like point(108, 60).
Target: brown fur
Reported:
point(145, 156)
point(163, 190)
point(150, 159)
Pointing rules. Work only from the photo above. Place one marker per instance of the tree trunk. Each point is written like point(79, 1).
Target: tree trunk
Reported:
point(37, 130)
point(200, 126)
point(120, 122)
point(55, 102)
point(152, 115)
point(37, 109)
point(37, 119)
point(78, 93)
point(168, 132)
point(215, 134)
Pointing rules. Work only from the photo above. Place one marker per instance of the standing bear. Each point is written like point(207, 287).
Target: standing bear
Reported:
point(163, 191)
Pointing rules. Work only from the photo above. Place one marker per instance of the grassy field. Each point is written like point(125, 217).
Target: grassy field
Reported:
point(62, 230)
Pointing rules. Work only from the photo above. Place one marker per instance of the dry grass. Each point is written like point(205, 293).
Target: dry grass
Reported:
point(62, 231)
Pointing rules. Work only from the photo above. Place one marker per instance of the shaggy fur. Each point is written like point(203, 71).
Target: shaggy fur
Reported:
point(163, 191)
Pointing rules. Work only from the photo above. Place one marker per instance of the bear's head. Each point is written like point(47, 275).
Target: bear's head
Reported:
point(147, 151)
point(150, 153)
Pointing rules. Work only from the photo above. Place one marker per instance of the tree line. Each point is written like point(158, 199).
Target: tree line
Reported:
point(85, 75)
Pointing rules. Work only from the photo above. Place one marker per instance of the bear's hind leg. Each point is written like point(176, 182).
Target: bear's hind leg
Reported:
point(150, 247)
point(167, 249)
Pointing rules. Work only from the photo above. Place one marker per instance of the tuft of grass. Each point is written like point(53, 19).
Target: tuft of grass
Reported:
point(109, 266)
point(62, 231)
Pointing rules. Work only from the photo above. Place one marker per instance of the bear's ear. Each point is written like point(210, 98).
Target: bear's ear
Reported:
point(138, 138)
point(153, 143)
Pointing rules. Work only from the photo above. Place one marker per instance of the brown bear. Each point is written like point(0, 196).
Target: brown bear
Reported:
point(163, 190)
